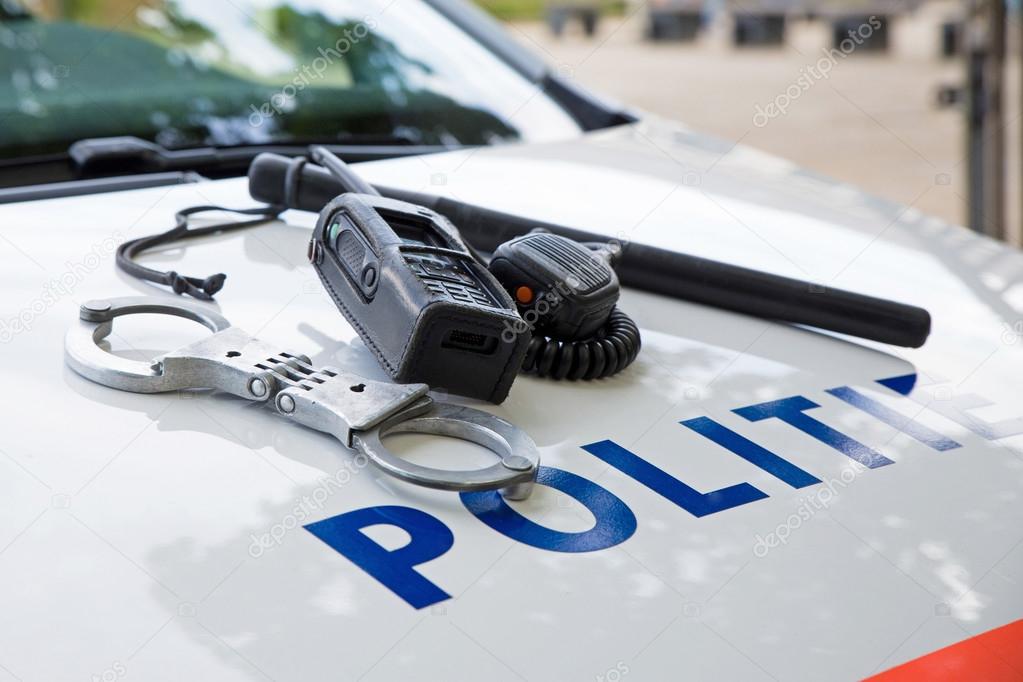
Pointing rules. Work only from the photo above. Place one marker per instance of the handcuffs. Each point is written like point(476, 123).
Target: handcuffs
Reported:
point(357, 411)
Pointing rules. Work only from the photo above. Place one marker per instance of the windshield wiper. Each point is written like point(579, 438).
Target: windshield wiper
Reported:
point(74, 188)
point(133, 154)
point(138, 154)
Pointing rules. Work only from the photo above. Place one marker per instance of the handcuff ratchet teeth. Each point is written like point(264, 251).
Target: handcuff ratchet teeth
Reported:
point(357, 411)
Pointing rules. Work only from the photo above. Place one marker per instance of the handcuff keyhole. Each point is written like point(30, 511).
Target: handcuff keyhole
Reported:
point(358, 388)
point(233, 353)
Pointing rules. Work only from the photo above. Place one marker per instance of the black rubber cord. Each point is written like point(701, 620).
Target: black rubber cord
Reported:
point(201, 288)
point(610, 351)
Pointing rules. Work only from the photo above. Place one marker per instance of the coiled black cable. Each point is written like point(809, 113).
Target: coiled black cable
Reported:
point(608, 352)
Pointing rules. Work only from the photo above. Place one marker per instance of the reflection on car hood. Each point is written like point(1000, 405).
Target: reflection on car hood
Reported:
point(183, 514)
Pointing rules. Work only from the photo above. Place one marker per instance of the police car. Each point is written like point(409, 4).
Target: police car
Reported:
point(748, 500)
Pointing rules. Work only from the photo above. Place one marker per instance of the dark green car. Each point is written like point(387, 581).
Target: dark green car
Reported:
point(227, 75)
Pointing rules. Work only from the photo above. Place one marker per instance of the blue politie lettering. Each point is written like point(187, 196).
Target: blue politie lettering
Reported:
point(615, 521)
point(693, 501)
point(903, 384)
point(751, 452)
point(429, 538)
point(900, 422)
point(956, 408)
point(792, 411)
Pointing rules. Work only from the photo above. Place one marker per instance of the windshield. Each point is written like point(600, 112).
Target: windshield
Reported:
point(186, 73)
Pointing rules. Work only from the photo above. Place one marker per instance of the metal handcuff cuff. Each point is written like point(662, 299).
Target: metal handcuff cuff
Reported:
point(357, 411)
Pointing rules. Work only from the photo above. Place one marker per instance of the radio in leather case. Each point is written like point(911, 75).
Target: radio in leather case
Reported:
point(417, 297)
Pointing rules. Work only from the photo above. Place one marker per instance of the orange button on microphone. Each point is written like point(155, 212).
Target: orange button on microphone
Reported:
point(523, 294)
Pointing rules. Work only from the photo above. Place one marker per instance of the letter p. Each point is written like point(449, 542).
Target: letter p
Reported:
point(395, 569)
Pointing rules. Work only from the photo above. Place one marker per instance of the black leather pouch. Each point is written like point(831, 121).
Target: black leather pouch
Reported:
point(417, 297)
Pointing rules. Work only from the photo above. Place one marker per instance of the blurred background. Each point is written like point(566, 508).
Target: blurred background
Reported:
point(918, 101)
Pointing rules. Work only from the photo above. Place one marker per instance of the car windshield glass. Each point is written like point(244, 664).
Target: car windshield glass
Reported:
point(186, 73)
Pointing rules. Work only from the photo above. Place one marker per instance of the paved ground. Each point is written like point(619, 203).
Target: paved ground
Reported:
point(872, 122)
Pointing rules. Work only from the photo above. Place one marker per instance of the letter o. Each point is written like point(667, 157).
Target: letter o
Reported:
point(615, 521)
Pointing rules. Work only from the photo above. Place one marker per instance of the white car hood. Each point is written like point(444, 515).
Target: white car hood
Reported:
point(134, 541)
